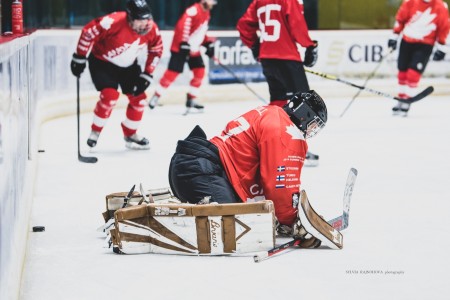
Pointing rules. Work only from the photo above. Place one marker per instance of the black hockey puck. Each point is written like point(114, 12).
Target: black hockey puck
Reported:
point(38, 228)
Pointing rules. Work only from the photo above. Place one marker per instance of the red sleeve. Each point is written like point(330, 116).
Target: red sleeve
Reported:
point(248, 25)
point(155, 50)
point(208, 39)
point(403, 15)
point(89, 35)
point(297, 23)
point(442, 30)
point(187, 25)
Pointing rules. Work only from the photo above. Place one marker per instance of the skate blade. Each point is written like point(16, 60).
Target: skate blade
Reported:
point(134, 146)
point(190, 110)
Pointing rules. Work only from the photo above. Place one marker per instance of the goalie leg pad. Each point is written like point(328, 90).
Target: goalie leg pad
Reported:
point(211, 229)
point(317, 226)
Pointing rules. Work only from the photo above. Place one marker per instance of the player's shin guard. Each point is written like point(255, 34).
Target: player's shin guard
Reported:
point(402, 84)
point(104, 107)
point(195, 84)
point(134, 113)
point(402, 88)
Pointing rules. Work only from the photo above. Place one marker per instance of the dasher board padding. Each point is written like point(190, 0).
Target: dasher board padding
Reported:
point(210, 229)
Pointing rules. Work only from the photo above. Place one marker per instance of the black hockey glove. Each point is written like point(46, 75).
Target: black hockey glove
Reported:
point(142, 83)
point(185, 49)
point(438, 55)
point(209, 49)
point(392, 42)
point(77, 64)
point(255, 50)
point(311, 55)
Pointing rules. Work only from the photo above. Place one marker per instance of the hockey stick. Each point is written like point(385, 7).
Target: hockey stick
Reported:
point(238, 79)
point(85, 159)
point(413, 99)
point(339, 223)
point(128, 196)
point(367, 80)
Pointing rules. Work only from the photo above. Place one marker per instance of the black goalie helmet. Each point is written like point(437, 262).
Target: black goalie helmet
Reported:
point(308, 112)
point(138, 10)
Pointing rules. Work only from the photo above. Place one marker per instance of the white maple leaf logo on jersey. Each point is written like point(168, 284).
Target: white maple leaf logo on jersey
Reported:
point(106, 22)
point(420, 25)
point(293, 131)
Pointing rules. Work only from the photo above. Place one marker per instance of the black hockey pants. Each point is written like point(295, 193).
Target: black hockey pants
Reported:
point(196, 171)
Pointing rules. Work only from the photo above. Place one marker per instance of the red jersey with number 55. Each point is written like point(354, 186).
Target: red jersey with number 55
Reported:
point(281, 24)
point(263, 153)
point(111, 39)
point(423, 22)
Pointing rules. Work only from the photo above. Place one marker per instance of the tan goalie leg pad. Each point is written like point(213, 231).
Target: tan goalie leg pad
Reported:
point(317, 226)
point(210, 229)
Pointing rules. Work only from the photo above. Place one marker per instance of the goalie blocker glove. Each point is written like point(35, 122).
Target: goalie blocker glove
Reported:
point(78, 64)
point(298, 232)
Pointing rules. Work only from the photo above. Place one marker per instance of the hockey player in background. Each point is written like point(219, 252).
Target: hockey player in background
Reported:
point(258, 156)
point(281, 25)
point(190, 34)
point(113, 43)
point(422, 23)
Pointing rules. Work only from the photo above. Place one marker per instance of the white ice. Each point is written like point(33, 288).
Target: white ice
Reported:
point(396, 247)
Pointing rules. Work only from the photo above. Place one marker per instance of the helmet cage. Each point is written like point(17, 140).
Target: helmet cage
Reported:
point(300, 109)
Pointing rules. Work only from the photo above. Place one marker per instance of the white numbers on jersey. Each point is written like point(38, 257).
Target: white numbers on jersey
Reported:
point(242, 125)
point(265, 21)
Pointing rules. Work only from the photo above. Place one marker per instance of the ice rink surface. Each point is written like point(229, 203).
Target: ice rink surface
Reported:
point(396, 247)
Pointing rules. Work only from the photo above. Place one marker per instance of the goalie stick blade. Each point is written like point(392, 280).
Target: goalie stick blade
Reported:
point(87, 159)
point(417, 97)
point(341, 222)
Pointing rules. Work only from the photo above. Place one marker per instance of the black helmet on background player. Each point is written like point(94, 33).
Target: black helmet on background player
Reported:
point(138, 10)
point(139, 16)
point(308, 112)
point(208, 4)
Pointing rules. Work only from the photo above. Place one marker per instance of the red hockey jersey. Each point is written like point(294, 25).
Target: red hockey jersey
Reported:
point(111, 39)
point(263, 153)
point(423, 22)
point(192, 28)
point(281, 24)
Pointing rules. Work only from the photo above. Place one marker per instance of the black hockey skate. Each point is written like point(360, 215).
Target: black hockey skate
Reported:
point(93, 138)
point(191, 103)
point(401, 109)
point(135, 142)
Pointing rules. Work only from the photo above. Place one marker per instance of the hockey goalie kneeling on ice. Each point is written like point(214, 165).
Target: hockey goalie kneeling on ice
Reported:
point(258, 156)
point(214, 229)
